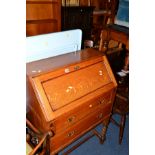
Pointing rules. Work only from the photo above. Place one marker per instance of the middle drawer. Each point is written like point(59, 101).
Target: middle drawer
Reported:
point(68, 119)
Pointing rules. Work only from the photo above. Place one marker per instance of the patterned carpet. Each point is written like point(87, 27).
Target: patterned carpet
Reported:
point(110, 146)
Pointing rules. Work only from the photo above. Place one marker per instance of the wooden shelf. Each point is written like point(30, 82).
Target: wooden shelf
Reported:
point(101, 12)
point(41, 1)
point(41, 21)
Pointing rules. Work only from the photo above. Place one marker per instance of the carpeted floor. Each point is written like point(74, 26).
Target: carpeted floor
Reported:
point(110, 146)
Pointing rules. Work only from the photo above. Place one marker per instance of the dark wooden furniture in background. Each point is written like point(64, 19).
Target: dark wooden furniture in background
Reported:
point(78, 17)
point(104, 13)
point(117, 33)
point(121, 105)
point(85, 2)
point(104, 9)
point(43, 16)
point(70, 95)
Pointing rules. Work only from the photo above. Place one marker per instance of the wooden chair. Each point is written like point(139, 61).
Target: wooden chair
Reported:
point(33, 135)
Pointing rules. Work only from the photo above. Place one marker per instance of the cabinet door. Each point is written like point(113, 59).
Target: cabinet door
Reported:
point(78, 18)
point(42, 16)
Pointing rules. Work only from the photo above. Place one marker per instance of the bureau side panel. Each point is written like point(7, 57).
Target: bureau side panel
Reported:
point(33, 110)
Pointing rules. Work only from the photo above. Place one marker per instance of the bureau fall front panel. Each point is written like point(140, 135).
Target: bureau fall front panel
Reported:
point(65, 89)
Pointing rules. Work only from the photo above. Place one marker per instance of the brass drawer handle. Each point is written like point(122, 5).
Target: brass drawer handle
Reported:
point(90, 105)
point(100, 115)
point(70, 134)
point(71, 119)
point(100, 72)
point(76, 67)
point(102, 101)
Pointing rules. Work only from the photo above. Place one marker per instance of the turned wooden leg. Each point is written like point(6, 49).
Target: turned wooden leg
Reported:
point(103, 136)
point(122, 125)
point(126, 64)
point(103, 45)
point(48, 150)
point(104, 130)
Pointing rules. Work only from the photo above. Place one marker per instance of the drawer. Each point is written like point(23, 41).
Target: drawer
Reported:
point(59, 141)
point(68, 119)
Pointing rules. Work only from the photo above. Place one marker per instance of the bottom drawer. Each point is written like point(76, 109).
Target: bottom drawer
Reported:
point(65, 138)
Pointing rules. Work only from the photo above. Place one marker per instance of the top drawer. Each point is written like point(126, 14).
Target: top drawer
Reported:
point(65, 89)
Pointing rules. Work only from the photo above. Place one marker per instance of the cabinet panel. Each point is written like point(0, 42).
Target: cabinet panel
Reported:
point(41, 11)
point(36, 28)
point(43, 16)
point(78, 17)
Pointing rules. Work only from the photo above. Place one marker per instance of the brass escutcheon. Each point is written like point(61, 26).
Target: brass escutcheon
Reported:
point(70, 133)
point(71, 119)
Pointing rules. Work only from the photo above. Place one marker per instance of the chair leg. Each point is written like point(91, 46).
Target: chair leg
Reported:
point(122, 125)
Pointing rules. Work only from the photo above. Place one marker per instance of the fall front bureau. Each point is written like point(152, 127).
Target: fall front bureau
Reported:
point(70, 95)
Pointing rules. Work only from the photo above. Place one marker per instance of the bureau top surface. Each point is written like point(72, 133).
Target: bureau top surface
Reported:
point(38, 67)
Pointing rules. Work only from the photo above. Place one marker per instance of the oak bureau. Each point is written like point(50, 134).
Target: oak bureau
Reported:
point(70, 95)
